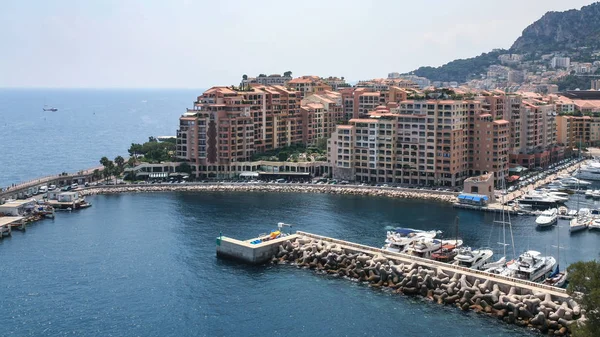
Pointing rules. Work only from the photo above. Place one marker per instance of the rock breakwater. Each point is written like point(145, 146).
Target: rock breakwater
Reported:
point(279, 188)
point(515, 306)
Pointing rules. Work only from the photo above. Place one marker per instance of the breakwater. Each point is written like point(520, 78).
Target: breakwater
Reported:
point(279, 188)
point(514, 301)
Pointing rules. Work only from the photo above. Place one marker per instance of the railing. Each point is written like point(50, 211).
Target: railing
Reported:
point(417, 259)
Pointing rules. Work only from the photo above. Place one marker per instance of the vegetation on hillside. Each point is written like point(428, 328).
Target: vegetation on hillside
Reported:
point(572, 82)
point(153, 151)
point(562, 31)
point(461, 70)
point(296, 153)
point(584, 286)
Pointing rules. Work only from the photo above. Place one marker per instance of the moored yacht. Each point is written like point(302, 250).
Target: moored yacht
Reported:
point(574, 182)
point(538, 199)
point(425, 247)
point(548, 218)
point(589, 172)
point(581, 221)
point(531, 266)
point(399, 239)
point(474, 259)
point(594, 224)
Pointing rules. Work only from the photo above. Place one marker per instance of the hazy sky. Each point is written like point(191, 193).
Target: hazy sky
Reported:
point(197, 44)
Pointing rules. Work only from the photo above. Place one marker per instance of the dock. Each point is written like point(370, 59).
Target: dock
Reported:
point(516, 301)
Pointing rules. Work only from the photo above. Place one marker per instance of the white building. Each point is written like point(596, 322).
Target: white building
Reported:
point(560, 62)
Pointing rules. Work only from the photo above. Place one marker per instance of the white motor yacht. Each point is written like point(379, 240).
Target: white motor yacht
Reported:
point(399, 239)
point(589, 172)
point(548, 218)
point(573, 182)
point(474, 259)
point(536, 198)
point(425, 247)
point(531, 266)
point(589, 194)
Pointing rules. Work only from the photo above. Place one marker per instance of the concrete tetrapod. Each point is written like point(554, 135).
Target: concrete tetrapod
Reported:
point(530, 310)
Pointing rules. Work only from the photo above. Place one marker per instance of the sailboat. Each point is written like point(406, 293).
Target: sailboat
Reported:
point(583, 215)
point(557, 278)
point(500, 266)
point(448, 251)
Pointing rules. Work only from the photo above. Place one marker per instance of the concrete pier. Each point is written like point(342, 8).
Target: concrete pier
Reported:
point(505, 283)
point(247, 252)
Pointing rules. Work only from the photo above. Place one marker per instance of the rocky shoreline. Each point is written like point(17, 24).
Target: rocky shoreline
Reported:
point(279, 188)
point(514, 306)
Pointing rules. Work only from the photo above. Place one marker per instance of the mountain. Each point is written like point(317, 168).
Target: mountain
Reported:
point(560, 31)
point(555, 31)
point(461, 70)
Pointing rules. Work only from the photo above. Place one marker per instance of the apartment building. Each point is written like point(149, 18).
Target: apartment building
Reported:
point(274, 79)
point(321, 113)
point(571, 130)
point(229, 125)
point(424, 143)
point(537, 146)
point(335, 82)
point(488, 144)
point(307, 85)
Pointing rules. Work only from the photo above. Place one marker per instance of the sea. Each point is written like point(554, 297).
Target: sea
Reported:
point(145, 264)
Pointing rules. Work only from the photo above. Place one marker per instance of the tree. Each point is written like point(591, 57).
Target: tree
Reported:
point(131, 162)
point(96, 174)
point(120, 162)
point(584, 284)
point(152, 140)
point(245, 77)
point(104, 161)
point(184, 168)
point(287, 74)
point(135, 150)
point(283, 156)
point(109, 169)
point(262, 75)
point(322, 144)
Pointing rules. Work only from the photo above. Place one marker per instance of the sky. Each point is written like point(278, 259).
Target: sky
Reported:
point(198, 44)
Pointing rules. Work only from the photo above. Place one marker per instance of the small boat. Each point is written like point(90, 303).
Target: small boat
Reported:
point(589, 194)
point(562, 210)
point(557, 278)
point(594, 224)
point(596, 194)
point(50, 108)
point(548, 218)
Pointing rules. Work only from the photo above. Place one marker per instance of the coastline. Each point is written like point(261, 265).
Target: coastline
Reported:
point(389, 192)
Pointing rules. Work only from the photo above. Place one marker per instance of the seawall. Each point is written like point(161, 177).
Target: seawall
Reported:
point(390, 192)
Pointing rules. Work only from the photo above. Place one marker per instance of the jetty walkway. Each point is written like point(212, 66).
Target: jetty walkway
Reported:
point(449, 269)
point(515, 301)
point(21, 190)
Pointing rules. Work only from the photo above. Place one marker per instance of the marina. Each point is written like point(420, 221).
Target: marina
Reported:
point(443, 283)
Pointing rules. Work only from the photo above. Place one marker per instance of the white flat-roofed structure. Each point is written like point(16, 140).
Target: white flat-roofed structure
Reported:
point(68, 196)
point(16, 208)
point(10, 220)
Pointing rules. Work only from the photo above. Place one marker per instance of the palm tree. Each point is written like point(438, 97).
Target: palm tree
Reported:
point(120, 162)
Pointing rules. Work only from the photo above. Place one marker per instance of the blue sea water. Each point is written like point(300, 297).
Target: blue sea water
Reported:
point(89, 124)
point(145, 265)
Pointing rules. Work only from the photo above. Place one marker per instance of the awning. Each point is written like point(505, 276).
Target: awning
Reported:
point(512, 178)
